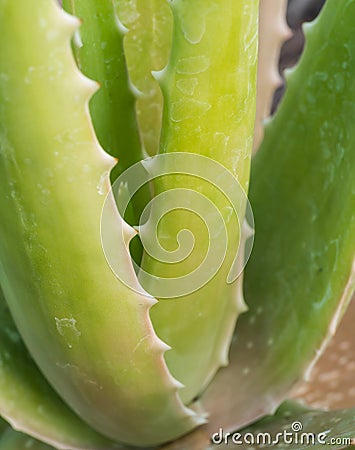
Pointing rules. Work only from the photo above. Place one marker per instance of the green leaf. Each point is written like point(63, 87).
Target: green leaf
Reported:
point(90, 334)
point(209, 108)
point(300, 277)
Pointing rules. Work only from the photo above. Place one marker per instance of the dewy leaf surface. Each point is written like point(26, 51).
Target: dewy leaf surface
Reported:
point(301, 273)
point(209, 107)
point(90, 335)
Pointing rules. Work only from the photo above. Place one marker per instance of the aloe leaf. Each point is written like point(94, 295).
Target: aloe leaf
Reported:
point(29, 403)
point(301, 273)
point(147, 47)
point(305, 428)
point(90, 335)
point(209, 108)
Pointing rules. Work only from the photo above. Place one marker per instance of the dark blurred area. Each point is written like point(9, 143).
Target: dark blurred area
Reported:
point(298, 12)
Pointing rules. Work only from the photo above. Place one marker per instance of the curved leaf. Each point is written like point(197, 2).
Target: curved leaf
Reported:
point(90, 335)
point(301, 273)
point(209, 108)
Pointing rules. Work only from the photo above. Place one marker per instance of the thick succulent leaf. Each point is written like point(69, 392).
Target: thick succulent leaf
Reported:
point(273, 31)
point(90, 335)
point(29, 403)
point(209, 107)
point(301, 273)
point(147, 47)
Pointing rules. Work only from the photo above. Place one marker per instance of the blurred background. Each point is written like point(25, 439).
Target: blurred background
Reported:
point(298, 11)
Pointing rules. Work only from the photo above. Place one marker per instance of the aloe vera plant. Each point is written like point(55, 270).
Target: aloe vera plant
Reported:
point(108, 341)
